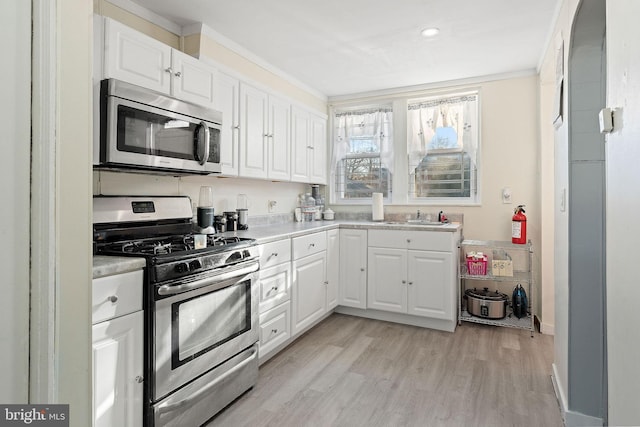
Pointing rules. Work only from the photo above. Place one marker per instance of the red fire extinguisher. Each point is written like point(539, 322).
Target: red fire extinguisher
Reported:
point(519, 226)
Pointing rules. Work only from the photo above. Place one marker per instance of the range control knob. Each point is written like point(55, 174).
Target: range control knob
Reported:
point(195, 264)
point(181, 267)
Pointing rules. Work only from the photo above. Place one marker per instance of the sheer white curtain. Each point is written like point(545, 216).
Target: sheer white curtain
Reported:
point(373, 123)
point(447, 123)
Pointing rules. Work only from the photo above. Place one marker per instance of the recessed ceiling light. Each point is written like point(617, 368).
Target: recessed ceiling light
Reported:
point(430, 32)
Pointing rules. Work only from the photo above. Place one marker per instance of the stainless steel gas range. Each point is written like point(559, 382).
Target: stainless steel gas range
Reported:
point(201, 306)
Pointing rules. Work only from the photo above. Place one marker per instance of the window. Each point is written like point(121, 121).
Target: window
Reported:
point(362, 153)
point(442, 147)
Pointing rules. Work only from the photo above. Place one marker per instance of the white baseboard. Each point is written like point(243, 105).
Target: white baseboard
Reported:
point(547, 329)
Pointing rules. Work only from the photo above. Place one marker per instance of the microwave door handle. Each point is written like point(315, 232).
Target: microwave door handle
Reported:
point(203, 143)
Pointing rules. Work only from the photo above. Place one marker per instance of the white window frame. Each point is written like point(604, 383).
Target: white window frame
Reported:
point(399, 194)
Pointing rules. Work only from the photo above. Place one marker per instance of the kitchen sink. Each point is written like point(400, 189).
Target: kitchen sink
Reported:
point(417, 222)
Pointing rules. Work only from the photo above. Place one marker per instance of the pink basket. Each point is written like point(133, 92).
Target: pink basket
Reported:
point(477, 266)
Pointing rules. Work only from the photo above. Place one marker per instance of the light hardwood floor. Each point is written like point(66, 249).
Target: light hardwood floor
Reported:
point(350, 371)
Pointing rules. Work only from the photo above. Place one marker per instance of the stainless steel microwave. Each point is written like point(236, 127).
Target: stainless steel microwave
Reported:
point(145, 130)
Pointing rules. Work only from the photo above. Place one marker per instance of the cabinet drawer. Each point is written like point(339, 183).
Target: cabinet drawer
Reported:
point(310, 244)
point(404, 239)
point(275, 328)
point(116, 295)
point(275, 253)
point(275, 286)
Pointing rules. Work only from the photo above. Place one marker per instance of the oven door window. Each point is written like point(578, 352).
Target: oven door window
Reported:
point(145, 132)
point(207, 321)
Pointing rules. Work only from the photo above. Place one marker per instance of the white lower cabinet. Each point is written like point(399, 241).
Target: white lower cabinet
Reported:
point(117, 350)
point(275, 296)
point(275, 328)
point(402, 279)
point(309, 296)
point(353, 268)
point(333, 268)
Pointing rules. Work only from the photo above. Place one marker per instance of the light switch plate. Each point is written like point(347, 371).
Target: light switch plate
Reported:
point(506, 195)
point(605, 118)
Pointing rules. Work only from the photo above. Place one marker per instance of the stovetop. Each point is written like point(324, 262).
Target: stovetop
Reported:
point(175, 244)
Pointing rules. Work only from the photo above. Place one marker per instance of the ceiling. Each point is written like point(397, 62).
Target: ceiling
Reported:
point(340, 47)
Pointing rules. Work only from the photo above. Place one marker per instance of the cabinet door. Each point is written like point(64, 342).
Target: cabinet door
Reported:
point(300, 143)
point(387, 279)
point(353, 268)
point(193, 80)
point(333, 268)
point(253, 132)
point(136, 58)
point(318, 155)
point(279, 142)
point(309, 298)
point(431, 290)
point(117, 371)
point(226, 100)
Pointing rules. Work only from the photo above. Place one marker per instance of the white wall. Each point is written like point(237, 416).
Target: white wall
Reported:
point(15, 25)
point(225, 190)
point(555, 239)
point(73, 205)
point(623, 203)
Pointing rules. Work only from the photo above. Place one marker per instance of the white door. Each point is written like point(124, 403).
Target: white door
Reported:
point(253, 132)
point(309, 297)
point(117, 371)
point(136, 58)
point(353, 268)
point(279, 139)
point(431, 287)
point(193, 80)
point(300, 135)
point(333, 268)
point(387, 279)
point(226, 99)
point(318, 162)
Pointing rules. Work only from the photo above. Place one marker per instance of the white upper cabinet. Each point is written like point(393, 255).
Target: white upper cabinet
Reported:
point(308, 147)
point(279, 139)
point(141, 60)
point(265, 135)
point(192, 80)
point(227, 100)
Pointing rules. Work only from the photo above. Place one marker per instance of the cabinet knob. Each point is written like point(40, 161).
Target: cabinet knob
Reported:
point(178, 74)
point(139, 379)
point(362, 269)
point(411, 283)
point(408, 240)
point(312, 245)
point(404, 281)
point(169, 70)
point(326, 282)
point(113, 298)
point(236, 127)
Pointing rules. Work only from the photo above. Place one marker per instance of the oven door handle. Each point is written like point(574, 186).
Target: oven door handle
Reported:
point(168, 407)
point(221, 281)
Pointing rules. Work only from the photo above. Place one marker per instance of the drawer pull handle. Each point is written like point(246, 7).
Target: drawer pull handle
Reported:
point(274, 289)
point(411, 283)
point(113, 298)
point(326, 283)
point(404, 281)
point(178, 74)
point(362, 269)
point(408, 240)
point(274, 331)
point(312, 245)
point(139, 379)
point(273, 254)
